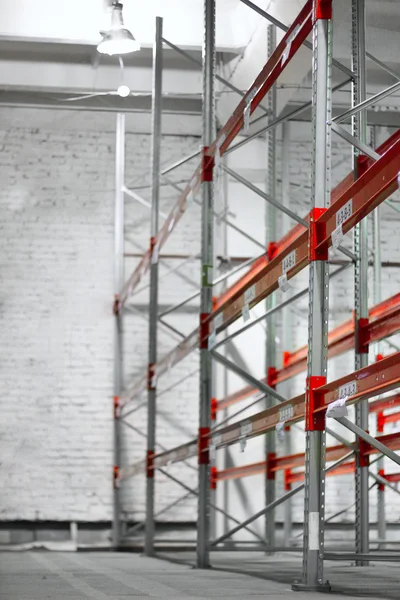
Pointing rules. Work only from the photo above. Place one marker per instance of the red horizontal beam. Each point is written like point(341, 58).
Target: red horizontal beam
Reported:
point(392, 418)
point(366, 193)
point(287, 463)
point(368, 382)
point(168, 226)
point(291, 477)
point(295, 232)
point(384, 320)
point(345, 469)
point(275, 65)
point(341, 338)
point(384, 403)
point(273, 68)
point(240, 472)
point(280, 463)
point(371, 189)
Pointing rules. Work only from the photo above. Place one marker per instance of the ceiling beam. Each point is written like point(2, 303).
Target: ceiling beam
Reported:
point(36, 98)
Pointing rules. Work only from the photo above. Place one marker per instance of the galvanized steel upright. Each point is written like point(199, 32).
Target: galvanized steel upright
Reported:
point(153, 306)
point(314, 491)
point(207, 259)
point(359, 130)
point(118, 347)
point(271, 237)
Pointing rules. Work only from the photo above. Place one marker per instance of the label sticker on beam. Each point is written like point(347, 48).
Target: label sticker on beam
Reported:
point(216, 440)
point(153, 381)
point(154, 255)
point(337, 236)
point(247, 109)
point(212, 340)
point(192, 185)
point(171, 360)
point(286, 52)
point(218, 321)
point(250, 294)
point(349, 389)
point(289, 262)
point(283, 283)
point(280, 431)
point(217, 157)
point(245, 313)
point(172, 221)
point(337, 409)
point(246, 429)
point(286, 413)
point(344, 213)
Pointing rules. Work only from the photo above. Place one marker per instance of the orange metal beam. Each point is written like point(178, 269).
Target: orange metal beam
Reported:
point(297, 230)
point(368, 382)
point(286, 463)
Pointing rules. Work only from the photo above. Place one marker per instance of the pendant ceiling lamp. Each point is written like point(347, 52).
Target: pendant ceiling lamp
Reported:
point(117, 40)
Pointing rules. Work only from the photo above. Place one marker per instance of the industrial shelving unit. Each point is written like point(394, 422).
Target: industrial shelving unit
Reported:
point(375, 176)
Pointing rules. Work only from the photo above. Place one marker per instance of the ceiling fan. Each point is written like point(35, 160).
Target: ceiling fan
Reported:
point(117, 41)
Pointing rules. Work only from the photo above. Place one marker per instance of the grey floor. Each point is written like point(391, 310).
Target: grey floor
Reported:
point(38, 575)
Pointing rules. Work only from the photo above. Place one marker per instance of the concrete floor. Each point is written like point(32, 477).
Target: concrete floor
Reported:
point(38, 575)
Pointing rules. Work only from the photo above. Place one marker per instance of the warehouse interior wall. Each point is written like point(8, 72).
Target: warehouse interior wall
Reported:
point(56, 263)
point(57, 211)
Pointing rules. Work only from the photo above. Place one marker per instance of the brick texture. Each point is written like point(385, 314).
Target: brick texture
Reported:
point(56, 355)
point(56, 204)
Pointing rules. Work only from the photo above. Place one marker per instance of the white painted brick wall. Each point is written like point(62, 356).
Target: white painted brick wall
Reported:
point(339, 490)
point(57, 327)
point(56, 263)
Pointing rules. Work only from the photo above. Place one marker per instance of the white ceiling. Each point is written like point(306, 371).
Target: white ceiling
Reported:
point(48, 51)
point(81, 20)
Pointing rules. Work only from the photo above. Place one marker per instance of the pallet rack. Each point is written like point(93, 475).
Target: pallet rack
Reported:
point(333, 214)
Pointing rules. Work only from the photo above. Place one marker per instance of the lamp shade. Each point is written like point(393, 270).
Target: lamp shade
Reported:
point(117, 40)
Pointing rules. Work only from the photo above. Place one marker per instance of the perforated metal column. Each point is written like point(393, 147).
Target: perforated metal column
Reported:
point(118, 283)
point(207, 257)
point(361, 268)
point(314, 492)
point(153, 305)
point(271, 237)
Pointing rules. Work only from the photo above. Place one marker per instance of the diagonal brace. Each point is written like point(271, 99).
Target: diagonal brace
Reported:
point(266, 197)
point(260, 385)
point(214, 506)
point(364, 148)
point(276, 503)
point(369, 439)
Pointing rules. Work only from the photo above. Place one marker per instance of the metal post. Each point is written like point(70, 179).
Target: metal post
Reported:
point(361, 269)
point(153, 306)
point(286, 311)
point(226, 460)
point(271, 234)
point(314, 491)
point(118, 283)
point(377, 277)
point(207, 255)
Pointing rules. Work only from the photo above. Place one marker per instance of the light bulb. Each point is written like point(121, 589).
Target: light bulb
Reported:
point(123, 91)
